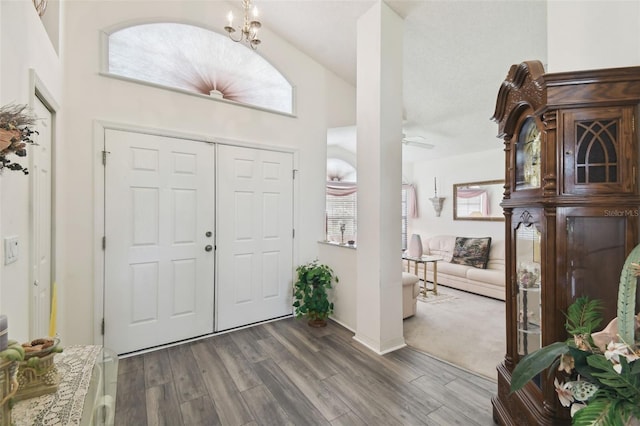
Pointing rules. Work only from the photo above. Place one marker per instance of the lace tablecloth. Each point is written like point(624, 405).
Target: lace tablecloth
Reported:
point(64, 408)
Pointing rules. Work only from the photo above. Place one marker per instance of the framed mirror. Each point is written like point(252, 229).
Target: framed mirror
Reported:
point(478, 200)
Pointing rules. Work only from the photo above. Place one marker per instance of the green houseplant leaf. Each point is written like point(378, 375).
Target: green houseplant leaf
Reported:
point(583, 316)
point(534, 363)
point(597, 412)
point(311, 298)
point(626, 384)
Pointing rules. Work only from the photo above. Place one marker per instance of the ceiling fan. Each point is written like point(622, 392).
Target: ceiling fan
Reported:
point(417, 141)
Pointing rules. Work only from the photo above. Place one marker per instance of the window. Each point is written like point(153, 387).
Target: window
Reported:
point(342, 210)
point(197, 60)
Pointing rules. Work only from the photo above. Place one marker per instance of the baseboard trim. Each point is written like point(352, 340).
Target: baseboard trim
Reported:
point(342, 324)
point(383, 352)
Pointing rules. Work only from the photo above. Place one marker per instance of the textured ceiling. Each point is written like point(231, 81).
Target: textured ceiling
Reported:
point(456, 54)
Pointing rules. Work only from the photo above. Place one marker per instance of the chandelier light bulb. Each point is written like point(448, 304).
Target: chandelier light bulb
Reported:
point(248, 30)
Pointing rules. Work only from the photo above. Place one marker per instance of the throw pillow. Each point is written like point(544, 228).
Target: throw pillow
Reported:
point(471, 251)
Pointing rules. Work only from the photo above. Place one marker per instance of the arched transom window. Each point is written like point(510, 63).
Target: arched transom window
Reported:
point(198, 60)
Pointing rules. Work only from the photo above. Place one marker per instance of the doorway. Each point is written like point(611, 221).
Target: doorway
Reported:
point(198, 238)
point(159, 221)
point(41, 218)
point(255, 236)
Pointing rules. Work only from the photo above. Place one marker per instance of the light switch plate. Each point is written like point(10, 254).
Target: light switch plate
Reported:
point(10, 249)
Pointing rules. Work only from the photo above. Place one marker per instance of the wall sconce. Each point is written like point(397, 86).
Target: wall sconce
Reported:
point(436, 201)
point(437, 204)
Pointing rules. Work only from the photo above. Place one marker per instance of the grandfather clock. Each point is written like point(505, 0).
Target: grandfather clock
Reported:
point(571, 207)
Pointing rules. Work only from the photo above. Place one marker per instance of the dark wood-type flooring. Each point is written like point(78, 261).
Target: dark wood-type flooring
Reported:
point(287, 373)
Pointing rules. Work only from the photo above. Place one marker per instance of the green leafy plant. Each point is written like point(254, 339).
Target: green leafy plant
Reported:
point(600, 379)
point(310, 291)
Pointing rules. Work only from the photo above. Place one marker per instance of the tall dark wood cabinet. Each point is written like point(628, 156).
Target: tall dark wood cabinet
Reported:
point(571, 205)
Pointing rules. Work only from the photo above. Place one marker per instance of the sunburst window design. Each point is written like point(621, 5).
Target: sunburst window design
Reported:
point(198, 60)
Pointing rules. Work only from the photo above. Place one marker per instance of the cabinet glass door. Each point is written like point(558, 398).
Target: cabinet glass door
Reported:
point(595, 256)
point(528, 278)
point(599, 150)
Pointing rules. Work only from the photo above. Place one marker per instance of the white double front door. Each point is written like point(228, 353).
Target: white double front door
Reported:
point(160, 240)
point(255, 236)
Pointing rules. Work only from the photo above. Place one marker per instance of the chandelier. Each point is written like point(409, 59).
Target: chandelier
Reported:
point(249, 29)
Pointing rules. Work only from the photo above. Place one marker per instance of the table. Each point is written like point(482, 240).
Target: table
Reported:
point(424, 260)
point(66, 406)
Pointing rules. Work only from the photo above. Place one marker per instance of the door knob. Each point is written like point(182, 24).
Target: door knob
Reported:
point(208, 247)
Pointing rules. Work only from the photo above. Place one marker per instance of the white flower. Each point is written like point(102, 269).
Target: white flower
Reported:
point(577, 406)
point(564, 391)
point(615, 350)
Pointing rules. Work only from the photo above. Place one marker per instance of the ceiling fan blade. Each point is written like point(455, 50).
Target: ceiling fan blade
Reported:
point(424, 145)
point(417, 141)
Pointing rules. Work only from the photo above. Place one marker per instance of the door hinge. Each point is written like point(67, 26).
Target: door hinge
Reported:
point(102, 327)
point(104, 243)
point(104, 157)
point(294, 173)
point(293, 233)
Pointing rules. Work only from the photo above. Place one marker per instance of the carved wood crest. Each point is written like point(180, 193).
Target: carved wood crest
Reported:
point(521, 90)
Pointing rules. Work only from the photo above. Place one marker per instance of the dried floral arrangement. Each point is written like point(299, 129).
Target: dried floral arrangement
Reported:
point(15, 134)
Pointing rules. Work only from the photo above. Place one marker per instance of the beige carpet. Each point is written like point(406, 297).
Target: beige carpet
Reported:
point(464, 329)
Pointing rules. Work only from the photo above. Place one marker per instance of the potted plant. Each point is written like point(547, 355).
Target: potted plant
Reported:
point(310, 293)
point(599, 375)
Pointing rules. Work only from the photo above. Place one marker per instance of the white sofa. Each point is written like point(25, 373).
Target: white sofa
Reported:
point(487, 282)
point(410, 291)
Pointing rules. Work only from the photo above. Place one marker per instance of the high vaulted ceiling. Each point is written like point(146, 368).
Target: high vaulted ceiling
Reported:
point(456, 54)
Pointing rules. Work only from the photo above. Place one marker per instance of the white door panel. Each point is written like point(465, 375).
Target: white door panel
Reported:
point(159, 206)
point(255, 242)
point(40, 173)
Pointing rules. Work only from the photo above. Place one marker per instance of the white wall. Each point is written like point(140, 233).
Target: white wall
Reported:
point(477, 166)
point(344, 293)
point(585, 35)
point(341, 109)
point(24, 44)
point(90, 96)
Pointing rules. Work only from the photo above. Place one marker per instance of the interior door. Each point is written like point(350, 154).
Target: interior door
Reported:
point(255, 236)
point(159, 223)
point(40, 256)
